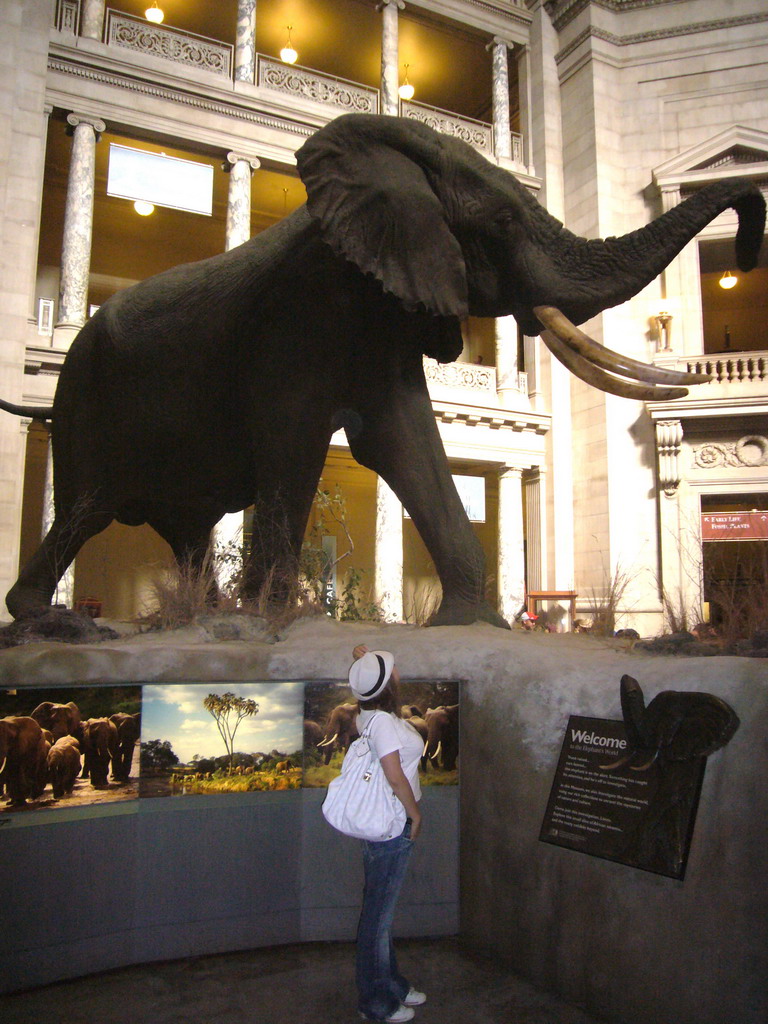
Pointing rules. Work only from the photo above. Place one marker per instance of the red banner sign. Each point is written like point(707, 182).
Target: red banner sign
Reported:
point(734, 526)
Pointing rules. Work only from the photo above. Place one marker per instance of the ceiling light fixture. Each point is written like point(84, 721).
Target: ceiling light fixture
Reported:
point(143, 208)
point(288, 55)
point(406, 90)
point(728, 280)
point(154, 13)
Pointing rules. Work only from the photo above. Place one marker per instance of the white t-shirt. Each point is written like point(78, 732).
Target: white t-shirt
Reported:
point(389, 733)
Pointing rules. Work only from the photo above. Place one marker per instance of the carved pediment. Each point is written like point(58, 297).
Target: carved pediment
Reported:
point(736, 150)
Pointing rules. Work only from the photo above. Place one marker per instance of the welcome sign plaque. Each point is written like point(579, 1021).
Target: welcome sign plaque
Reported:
point(639, 814)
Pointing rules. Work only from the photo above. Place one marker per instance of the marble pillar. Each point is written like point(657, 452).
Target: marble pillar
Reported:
point(65, 590)
point(390, 71)
point(92, 25)
point(388, 553)
point(506, 361)
point(239, 199)
point(511, 558)
point(500, 97)
point(78, 226)
point(228, 532)
point(245, 43)
point(535, 490)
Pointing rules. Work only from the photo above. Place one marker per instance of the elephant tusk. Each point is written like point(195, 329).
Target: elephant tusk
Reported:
point(559, 324)
point(424, 751)
point(646, 766)
point(2, 765)
point(616, 764)
point(585, 370)
point(327, 743)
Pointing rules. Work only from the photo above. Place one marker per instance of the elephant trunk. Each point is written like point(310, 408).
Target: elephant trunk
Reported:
point(599, 274)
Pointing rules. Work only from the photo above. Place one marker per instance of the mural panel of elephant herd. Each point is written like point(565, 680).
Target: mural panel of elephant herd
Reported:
point(84, 745)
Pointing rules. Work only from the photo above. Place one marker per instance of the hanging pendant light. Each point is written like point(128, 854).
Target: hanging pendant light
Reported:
point(154, 14)
point(728, 280)
point(288, 55)
point(406, 90)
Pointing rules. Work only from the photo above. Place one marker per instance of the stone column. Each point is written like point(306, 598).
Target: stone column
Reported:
point(506, 361)
point(65, 590)
point(92, 25)
point(228, 532)
point(239, 198)
point(500, 96)
point(511, 560)
point(78, 228)
point(388, 553)
point(245, 43)
point(535, 487)
point(390, 71)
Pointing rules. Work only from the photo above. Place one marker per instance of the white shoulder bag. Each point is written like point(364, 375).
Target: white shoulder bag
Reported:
point(360, 802)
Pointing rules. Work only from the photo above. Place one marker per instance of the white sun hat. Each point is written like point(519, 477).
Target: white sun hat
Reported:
point(370, 674)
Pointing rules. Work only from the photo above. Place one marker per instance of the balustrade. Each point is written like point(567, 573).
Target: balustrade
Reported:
point(182, 47)
point(742, 367)
point(314, 85)
point(133, 33)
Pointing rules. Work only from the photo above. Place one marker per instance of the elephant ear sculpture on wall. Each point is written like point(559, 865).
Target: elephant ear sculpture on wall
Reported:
point(218, 385)
point(674, 734)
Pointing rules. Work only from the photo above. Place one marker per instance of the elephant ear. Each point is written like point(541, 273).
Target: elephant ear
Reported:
point(367, 186)
point(690, 725)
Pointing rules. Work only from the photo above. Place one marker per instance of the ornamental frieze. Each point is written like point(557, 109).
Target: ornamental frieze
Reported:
point(748, 451)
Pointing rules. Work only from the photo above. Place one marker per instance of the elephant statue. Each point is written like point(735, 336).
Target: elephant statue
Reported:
point(100, 746)
point(340, 730)
point(64, 765)
point(128, 732)
point(442, 744)
point(23, 759)
point(61, 719)
point(218, 385)
point(673, 735)
point(676, 726)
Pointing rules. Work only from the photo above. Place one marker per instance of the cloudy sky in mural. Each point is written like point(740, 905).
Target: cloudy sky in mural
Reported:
point(176, 713)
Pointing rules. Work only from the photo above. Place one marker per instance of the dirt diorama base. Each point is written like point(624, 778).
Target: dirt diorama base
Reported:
point(621, 942)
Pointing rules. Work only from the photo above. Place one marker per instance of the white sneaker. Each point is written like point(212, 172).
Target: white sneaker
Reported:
point(414, 998)
point(401, 1014)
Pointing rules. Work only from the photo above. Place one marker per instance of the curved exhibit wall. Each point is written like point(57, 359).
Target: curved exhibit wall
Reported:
point(602, 927)
point(170, 862)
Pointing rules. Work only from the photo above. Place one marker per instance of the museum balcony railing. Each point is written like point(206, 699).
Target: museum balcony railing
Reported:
point(735, 375)
point(129, 34)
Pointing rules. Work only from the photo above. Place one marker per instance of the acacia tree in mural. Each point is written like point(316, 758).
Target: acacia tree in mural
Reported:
point(228, 711)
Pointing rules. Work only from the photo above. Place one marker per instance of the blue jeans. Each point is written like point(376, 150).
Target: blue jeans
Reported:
point(381, 988)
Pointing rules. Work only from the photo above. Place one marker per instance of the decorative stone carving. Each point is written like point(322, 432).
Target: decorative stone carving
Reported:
point(354, 99)
point(183, 48)
point(476, 133)
point(751, 450)
point(669, 442)
point(460, 375)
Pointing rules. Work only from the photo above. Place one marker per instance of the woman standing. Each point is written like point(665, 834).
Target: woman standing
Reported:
point(383, 993)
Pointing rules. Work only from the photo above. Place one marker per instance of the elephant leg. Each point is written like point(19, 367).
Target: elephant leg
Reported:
point(282, 504)
point(400, 441)
point(190, 542)
point(37, 582)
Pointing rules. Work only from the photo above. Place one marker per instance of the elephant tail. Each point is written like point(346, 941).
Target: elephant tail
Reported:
point(33, 412)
